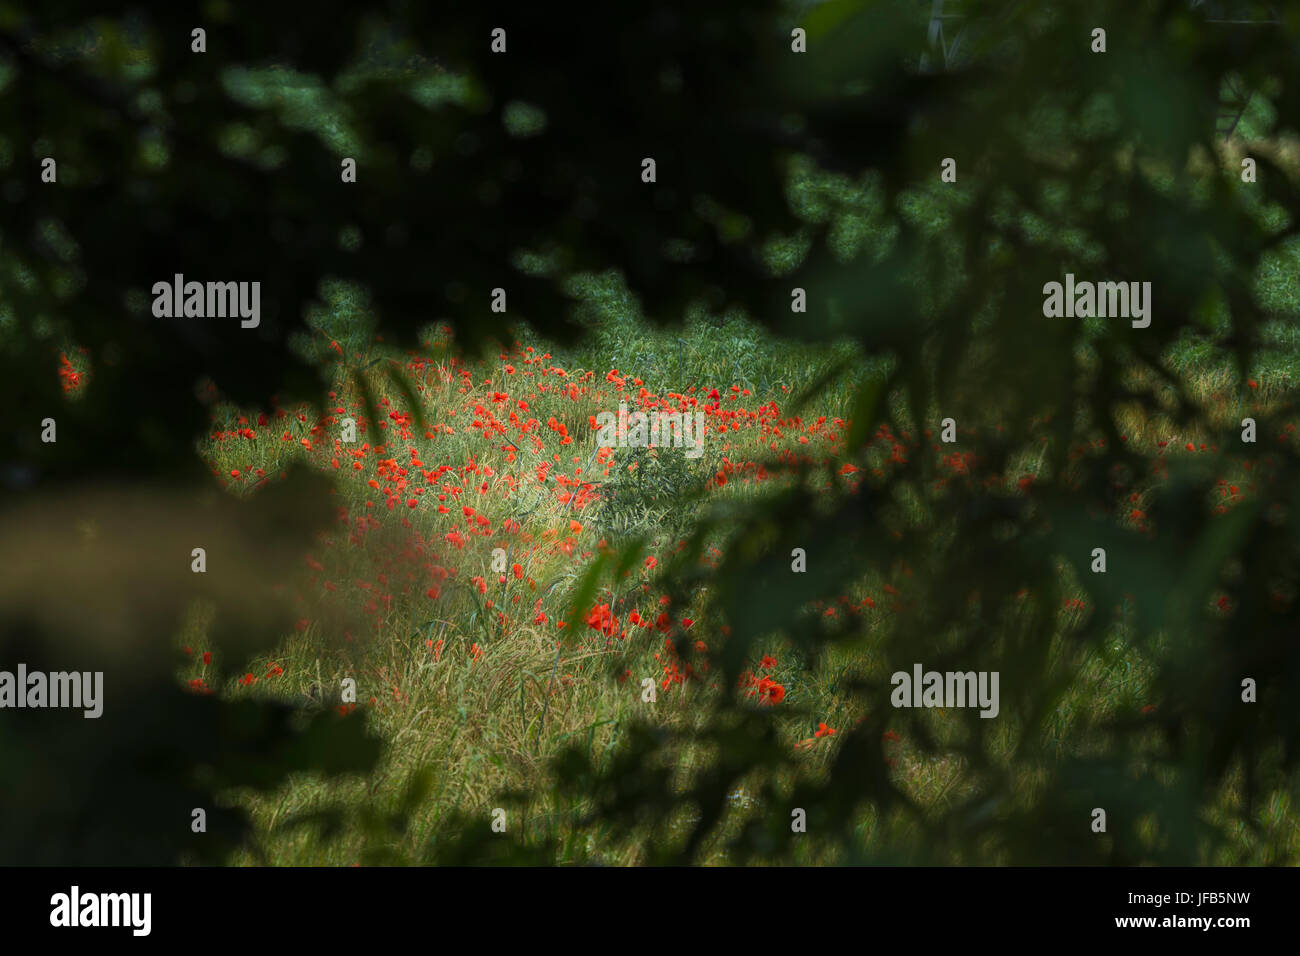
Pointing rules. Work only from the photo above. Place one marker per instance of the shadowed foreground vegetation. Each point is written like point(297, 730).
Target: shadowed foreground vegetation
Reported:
point(516, 680)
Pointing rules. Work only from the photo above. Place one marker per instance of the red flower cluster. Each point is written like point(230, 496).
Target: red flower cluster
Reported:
point(602, 619)
point(764, 688)
point(72, 379)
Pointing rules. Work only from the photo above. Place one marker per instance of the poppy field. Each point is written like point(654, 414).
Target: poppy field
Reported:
point(468, 518)
point(769, 433)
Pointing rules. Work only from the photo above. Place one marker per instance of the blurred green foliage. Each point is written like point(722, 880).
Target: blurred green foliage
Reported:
point(472, 165)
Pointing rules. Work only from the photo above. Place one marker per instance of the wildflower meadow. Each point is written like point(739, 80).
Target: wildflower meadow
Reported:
point(754, 433)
